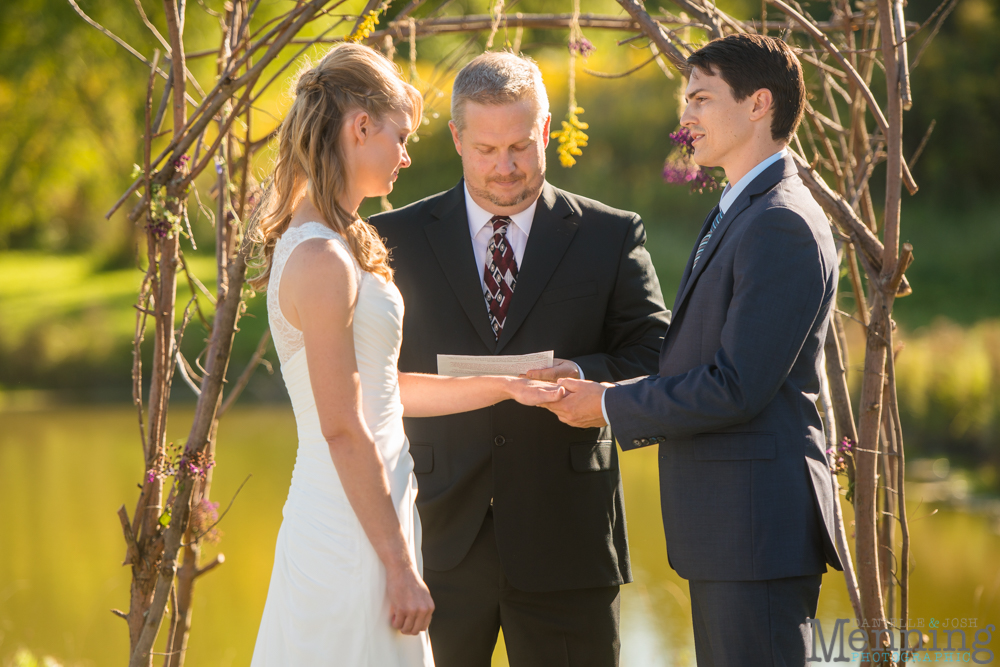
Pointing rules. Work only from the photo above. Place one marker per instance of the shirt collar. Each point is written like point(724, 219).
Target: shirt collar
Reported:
point(732, 192)
point(480, 217)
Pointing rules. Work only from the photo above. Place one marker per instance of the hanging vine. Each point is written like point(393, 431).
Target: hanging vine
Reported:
point(572, 137)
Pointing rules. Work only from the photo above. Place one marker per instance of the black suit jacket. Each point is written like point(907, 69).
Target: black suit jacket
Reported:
point(586, 289)
point(744, 482)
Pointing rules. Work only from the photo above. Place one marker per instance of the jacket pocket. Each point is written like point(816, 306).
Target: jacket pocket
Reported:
point(734, 446)
point(567, 292)
point(423, 458)
point(591, 456)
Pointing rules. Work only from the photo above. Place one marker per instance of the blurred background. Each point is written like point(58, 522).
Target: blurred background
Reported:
point(71, 118)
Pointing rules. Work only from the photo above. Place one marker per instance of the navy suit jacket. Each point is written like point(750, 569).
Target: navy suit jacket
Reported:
point(745, 487)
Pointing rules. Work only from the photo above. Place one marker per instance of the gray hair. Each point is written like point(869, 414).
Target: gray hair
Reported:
point(496, 78)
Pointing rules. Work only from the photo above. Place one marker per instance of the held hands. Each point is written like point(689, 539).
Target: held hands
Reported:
point(410, 603)
point(538, 388)
point(582, 405)
point(561, 368)
point(533, 392)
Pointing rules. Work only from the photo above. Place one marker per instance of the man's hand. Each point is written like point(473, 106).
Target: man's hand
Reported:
point(582, 407)
point(561, 368)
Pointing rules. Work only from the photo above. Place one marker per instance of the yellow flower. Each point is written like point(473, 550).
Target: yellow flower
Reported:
point(365, 28)
point(571, 137)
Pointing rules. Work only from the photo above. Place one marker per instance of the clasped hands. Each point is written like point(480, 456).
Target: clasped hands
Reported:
point(558, 389)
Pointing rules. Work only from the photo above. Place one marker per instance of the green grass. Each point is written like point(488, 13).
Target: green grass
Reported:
point(66, 324)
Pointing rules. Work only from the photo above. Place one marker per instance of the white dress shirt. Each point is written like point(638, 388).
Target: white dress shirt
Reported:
point(481, 231)
point(517, 236)
point(729, 196)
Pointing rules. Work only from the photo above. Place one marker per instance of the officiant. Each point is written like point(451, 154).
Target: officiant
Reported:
point(523, 517)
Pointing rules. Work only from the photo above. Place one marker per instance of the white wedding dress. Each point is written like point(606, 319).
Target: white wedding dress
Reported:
point(327, 602)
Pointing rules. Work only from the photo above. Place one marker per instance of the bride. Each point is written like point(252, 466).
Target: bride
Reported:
point(346, 587)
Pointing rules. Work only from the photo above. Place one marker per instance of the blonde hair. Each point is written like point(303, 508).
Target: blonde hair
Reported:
point(310, 158)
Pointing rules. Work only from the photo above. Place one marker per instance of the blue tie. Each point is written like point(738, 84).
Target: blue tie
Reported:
point(704, 241)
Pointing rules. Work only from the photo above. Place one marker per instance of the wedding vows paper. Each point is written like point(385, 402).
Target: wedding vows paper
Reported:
point(460, 365)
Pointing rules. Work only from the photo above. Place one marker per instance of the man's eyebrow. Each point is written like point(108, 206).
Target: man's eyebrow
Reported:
point(688, 96)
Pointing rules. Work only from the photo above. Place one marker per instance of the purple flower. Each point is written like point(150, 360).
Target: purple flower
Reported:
point(682, 138)
point(583, 48)
point(680, 169)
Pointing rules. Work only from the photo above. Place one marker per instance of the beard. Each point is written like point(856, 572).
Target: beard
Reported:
point(529, 190)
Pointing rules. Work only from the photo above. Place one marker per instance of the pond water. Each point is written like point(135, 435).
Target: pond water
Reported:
point(65, 473)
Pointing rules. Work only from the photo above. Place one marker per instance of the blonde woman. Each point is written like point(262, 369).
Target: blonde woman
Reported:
point(346, 588)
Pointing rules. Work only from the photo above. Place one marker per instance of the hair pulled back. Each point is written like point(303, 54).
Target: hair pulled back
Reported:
point(310, 156)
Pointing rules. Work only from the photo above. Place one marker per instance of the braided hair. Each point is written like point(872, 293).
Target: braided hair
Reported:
point(310, 159)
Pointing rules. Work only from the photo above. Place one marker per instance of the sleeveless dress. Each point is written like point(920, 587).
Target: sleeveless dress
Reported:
point(327, 602)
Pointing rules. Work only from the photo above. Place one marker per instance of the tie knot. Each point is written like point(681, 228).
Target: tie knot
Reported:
point(500, 223)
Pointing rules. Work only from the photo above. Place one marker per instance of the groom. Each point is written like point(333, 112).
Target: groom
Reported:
point(744, 483)
point(523, 516)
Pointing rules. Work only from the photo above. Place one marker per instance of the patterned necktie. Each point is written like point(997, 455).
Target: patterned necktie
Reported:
point(705, 239)
point(500, 274)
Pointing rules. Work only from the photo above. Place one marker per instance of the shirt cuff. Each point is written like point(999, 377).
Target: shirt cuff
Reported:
point(578, 369)
point(604, 409)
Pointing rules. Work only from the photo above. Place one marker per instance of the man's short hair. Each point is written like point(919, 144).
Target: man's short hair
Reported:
point(496, 78)
point(751, 62)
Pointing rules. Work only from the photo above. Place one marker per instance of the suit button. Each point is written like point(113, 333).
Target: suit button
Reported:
point(499, 441)
point(645, 441)
point(636, 442)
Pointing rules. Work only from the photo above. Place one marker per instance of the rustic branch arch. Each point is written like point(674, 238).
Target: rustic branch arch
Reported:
point(846, 134)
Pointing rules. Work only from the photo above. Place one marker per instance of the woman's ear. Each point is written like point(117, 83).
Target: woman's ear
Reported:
point(362, 127)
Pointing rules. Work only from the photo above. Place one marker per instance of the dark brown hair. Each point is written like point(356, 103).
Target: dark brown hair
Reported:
point(751, 62)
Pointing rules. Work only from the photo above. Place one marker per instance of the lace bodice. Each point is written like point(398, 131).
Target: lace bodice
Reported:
point(288, 339)
point(378, 333)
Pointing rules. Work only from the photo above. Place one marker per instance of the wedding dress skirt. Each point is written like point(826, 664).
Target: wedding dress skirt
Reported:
point(327, 603)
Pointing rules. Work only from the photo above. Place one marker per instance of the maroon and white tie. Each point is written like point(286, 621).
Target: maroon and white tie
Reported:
point(500, 274)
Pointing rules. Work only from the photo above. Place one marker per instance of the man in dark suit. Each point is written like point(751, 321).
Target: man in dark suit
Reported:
point(523, 517)
point(745, 486)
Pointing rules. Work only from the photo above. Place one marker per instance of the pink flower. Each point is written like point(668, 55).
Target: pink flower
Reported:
point(679, 168)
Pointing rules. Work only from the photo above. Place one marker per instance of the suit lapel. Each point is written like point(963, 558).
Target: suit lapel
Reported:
point(452, 244)
point(687, 268)
point(552, 231)
point(762, 183)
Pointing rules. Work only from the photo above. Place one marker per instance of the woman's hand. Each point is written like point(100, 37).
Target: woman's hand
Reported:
point(534, 392)
point(410, 603)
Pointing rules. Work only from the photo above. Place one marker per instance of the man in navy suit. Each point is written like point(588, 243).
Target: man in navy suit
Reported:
point(744, 483)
